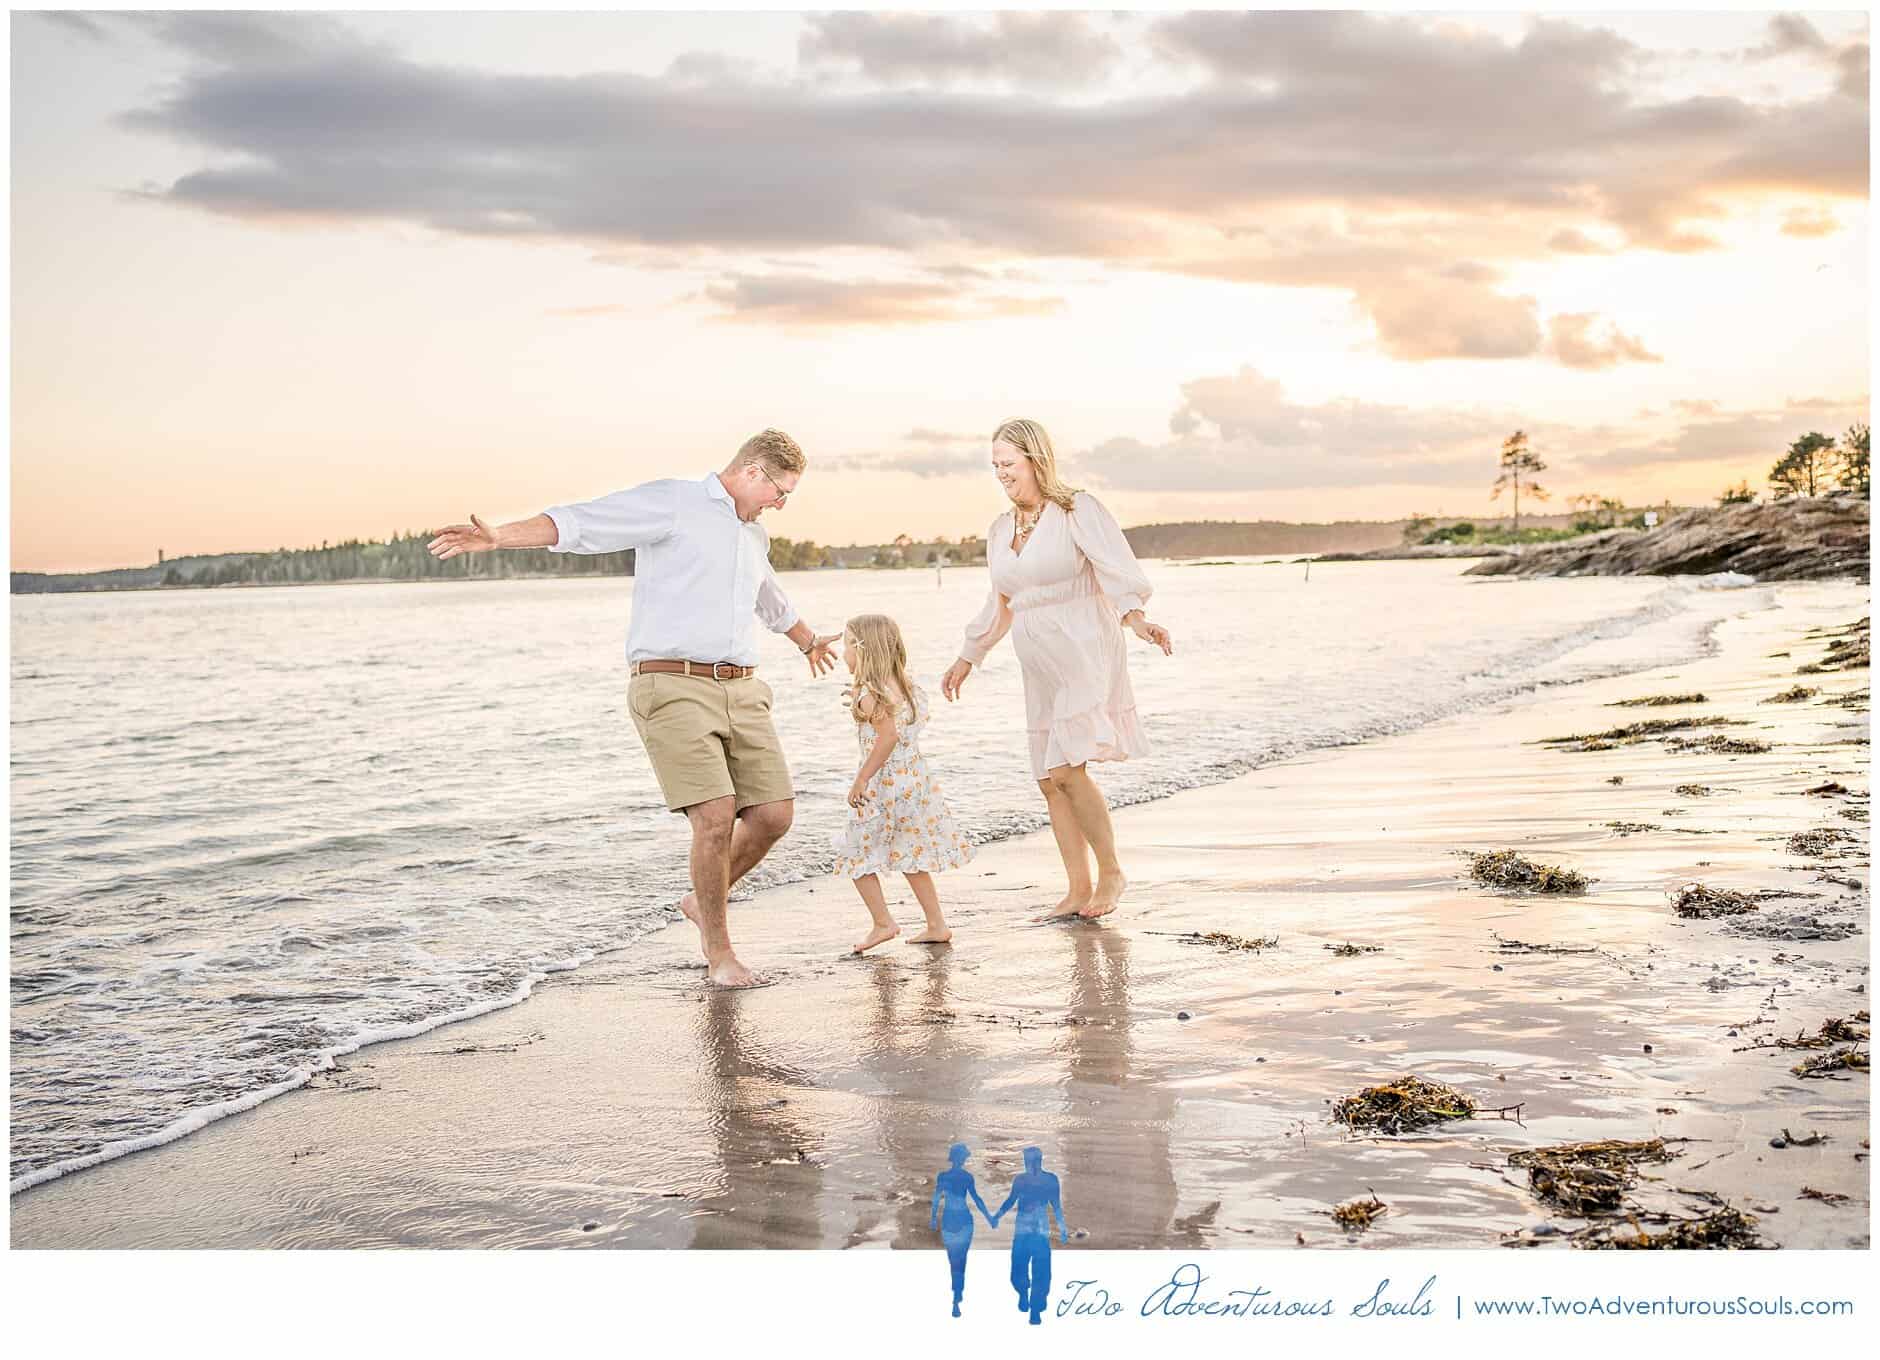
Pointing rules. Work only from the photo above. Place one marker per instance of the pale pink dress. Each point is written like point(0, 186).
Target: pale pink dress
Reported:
point(1062, 597)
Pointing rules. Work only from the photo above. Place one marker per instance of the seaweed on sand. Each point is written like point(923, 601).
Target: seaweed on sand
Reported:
point(1220, 939)
point(1725, 1229)
point(1508, 870)
point(1588, 1178)
point(1795, 694)
point(1631, 828)
point(1660, 701)
point(1823, 790)
point(1825, 1196)
point(1720, 745)
point(1819, 840)
point(1693, 790)
point(1403, 1103)
point(1694, 901)
point(1358, 1214)
point(1648, 727)
point(1827, 1064)
point(1348, 950)
point(1832, 1032)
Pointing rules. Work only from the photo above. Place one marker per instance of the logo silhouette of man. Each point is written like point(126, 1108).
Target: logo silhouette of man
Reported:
point(1035, 1192)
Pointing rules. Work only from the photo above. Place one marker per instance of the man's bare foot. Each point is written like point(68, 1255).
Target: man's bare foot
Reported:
point(932, 935)
point(879, 935)
point(1109, 893)
point(1073, 903)
point(726, 971)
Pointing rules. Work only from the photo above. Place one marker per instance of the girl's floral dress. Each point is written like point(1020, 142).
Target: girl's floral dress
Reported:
point(905, 827)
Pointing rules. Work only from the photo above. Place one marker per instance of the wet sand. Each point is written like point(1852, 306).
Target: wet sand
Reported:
point(627, 1104)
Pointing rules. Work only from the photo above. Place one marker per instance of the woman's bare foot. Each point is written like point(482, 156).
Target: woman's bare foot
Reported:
point(1109, 892)
point(1073, 904)
point(932, 935)
point(879, 935)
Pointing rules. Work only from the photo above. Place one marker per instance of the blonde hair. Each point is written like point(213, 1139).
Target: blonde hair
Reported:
point(1029, 438)
point(883, 662)
point(775, 450)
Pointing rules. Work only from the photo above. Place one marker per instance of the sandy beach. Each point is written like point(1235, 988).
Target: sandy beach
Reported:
point(1182, 1090)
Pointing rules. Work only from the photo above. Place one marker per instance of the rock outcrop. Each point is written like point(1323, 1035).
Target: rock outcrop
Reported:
point(1802, 539)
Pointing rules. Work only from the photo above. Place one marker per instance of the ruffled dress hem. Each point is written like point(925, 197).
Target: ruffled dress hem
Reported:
point(1097, 734)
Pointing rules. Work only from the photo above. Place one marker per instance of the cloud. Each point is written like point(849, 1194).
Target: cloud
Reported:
point(1573, 241)
point(814, 301)
point(74, 21)
point(1571, 339)
point(1046, 50)
point(1405, 162)
point(1810, 222)
point(1793, 35)
point(1789, 33)
point(1240, 432)
point(1717, 435)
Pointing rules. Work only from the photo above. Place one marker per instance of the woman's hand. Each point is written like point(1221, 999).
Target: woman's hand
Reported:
point(858, 795)
point(1153, 633)
point(955, 677)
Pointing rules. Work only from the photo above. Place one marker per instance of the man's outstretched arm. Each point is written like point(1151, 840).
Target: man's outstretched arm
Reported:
point(476, 536)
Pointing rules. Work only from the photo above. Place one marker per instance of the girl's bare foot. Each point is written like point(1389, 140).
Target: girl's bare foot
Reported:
point(1073, 904)
point(1109, 892)
point(932, 935)
point(879, 935)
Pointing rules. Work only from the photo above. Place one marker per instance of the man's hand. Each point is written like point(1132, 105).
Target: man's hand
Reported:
point(821, 655)
point(955, 677)
point(474, 537)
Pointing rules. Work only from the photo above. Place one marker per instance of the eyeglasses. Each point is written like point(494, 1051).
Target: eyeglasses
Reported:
point(782, 495)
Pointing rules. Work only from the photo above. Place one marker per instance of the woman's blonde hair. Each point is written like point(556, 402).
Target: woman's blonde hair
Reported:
point(883, 665)
point(1029, 438)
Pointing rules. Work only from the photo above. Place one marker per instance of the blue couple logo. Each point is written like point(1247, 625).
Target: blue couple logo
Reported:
point(1035, 1195)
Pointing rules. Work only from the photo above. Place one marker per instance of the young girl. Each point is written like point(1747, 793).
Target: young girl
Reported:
point(900, 823)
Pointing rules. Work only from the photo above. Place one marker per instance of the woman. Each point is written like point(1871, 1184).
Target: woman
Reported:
point(1065, 585)
point(956, 1230)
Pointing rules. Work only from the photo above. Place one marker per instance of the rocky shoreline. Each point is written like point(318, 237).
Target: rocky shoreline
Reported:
point(1803, 539)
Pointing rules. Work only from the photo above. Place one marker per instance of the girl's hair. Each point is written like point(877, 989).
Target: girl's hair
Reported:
point(882, 667)
point(1029, 438)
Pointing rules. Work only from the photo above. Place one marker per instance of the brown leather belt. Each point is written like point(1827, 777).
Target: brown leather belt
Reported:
point(704, 670)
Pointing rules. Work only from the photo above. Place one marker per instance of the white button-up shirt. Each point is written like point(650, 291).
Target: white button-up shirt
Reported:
point(700, 574)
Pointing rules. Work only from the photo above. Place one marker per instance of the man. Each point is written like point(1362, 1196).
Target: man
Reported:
point(1035, 1191)
point(701, 575)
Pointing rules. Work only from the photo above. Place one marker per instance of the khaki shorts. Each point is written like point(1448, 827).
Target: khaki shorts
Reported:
point(709, 738)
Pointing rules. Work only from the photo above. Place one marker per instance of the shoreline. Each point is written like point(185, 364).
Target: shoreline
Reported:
point(994, 1031)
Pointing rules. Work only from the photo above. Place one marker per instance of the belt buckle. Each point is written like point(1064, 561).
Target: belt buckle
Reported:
point(728, 666)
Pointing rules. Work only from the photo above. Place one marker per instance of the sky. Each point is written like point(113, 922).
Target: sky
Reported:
point(286, 278)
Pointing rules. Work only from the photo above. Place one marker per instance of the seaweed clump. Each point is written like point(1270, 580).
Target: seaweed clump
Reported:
point(1693, 790)
point(1725, 1229)
point(1719, 745)
point(1403, 1104)
point(1348, 950)
point(1794, 694)
point(1819, 841)
point(1696, 902)
point(1220, 939)
point(1506, 869)
point(1827, 1064)
point(1660, 701)
point(1638, 731)
point(1358, 1214)
point(1588, 1178)
point(1832, 1032)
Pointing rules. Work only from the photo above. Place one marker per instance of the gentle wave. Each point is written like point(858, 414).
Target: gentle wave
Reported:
point(265, 931)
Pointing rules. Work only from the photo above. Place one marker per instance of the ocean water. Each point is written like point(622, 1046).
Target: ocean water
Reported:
point(256, 829)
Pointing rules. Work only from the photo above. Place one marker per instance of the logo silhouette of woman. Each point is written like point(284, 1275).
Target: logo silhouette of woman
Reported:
point(954, 1186)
